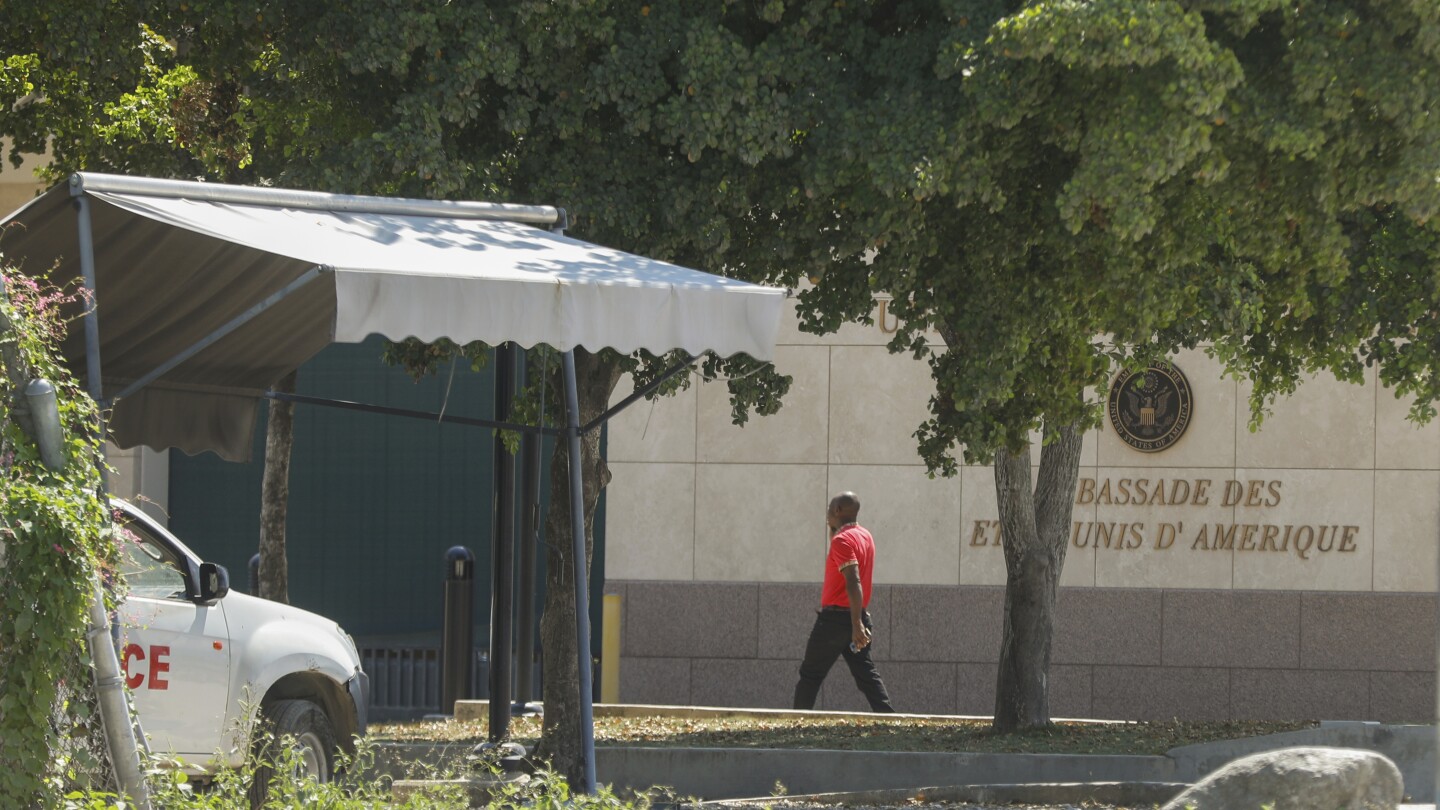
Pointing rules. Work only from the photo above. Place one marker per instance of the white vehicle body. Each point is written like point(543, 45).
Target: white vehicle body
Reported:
point(202, 661)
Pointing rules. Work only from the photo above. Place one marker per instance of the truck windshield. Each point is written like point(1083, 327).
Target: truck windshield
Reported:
point(151, 570)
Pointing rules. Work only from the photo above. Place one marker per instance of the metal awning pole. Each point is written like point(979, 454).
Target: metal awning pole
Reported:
point(638, 393)
point(109, 682)
point(530, 448)
point(502, 548)
point(582, 595)
point(92, 306)
point(430, 416)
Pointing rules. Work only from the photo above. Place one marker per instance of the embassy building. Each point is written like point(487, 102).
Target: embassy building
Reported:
point(1211, 572)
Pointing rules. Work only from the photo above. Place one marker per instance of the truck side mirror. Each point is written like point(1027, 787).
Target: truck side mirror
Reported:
point(214, 583)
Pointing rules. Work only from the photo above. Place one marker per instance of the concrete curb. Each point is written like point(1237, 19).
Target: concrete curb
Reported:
point(473, 710)
point(733, 773)
point(721, 773)
point(1411, 748)
point(730, 773)
point(1117, 793)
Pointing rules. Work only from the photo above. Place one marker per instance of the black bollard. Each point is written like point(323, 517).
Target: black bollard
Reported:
point(255, 575)
point(458, 638)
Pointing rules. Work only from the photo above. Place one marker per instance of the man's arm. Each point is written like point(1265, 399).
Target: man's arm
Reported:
point(859, 635)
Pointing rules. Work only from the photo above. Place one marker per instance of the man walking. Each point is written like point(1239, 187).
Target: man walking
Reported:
point(843, 625)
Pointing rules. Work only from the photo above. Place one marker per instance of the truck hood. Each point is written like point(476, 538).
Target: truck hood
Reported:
point(246, 614)
point(254, 610)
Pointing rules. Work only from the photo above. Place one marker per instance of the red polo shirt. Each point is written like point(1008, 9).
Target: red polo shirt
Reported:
point(852, 545)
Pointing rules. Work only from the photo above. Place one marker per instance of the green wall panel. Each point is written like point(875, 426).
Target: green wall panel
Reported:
point(374, 500)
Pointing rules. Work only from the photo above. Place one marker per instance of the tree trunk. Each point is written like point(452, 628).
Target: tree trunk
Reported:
point(1035, 527)
point(596, 378)
point(275, 495)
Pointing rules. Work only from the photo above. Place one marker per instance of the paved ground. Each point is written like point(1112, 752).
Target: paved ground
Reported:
point(942, 806)
point(716, 774)
point(786, 805)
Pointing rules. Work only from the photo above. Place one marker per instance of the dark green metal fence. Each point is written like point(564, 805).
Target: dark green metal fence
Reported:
point(374, 500)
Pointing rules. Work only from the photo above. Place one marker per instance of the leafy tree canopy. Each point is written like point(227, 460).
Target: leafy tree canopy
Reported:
point(451, 101)
point(1053, 187)
point(1260, 177)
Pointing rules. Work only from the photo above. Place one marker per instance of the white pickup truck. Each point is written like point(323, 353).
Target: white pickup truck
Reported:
point(202, 660)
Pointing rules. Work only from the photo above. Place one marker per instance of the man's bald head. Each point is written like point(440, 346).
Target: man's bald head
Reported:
point(844, 508)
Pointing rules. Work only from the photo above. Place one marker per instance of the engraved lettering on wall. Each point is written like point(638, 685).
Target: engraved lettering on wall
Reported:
point(1305, 541)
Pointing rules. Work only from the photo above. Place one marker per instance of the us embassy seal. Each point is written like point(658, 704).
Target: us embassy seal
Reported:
point(1150, 409)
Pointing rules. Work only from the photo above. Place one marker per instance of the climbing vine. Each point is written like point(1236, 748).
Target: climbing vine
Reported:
point(54, 536)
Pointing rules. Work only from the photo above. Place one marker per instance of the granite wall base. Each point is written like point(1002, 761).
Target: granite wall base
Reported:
point(1131, 654)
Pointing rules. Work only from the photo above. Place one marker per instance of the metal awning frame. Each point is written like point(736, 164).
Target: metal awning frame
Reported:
point(115, 711)
point(470, 421)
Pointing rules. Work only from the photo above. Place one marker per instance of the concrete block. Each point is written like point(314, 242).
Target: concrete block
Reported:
point(915, 520)
point(662, 681)
point(1326, 424)
point(1399, 443)
point(975, 689)
point(763, 684)
point(796, 434)
point(1070, 692)
point(1379, 631)
point(659, 430)
point(1407, 522)
point(873, 423)
point(785, 613)
point(1231, 628)
point(1107, 626)
point(914, 687)
point(882, 615)
point(760, 522)
point(690, 619)
point(1160, 693)
point(946, 624)
point(1402, 697)
point(650, 523)
point(1289, 694)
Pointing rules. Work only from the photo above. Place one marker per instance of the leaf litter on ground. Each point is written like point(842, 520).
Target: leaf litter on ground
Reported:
point(862, 733)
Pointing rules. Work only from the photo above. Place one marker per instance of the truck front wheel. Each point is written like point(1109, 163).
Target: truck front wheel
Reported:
point(314, 739)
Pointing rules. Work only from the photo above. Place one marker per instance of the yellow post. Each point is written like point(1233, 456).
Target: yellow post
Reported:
point(610, 650)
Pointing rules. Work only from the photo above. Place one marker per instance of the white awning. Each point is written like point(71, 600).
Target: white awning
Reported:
point(175, 261)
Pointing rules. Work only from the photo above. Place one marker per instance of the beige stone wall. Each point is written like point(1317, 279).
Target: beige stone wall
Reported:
point(17, 185)
point(142, 476)
point(1336, 467)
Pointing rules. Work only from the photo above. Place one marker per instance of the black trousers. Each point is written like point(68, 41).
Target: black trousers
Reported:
point(829, 639)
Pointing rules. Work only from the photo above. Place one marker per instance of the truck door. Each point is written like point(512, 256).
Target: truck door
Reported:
point(175, 653)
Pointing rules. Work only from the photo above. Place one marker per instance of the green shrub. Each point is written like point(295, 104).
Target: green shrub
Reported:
point(54, 540)
point(358, 788)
